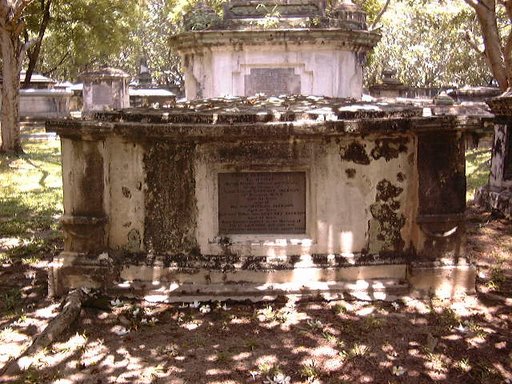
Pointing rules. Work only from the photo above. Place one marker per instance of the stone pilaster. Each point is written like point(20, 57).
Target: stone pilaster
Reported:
point(83, 261)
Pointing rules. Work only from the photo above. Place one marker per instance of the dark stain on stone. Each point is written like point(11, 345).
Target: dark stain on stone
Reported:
point(497, 148)
point(319, 258)
point(91, 180)
point(134, 241)
point(400, 176)
point(389, 148)
point(387, 191)
point(341, 261)
point(351, 173)
point(245, 151)
point(191, 263)
point(395, 205)
point(387, 223)
point(356, 153)
point(126, 192)
point(367, 258)
point(252, 263)
point(441, 173)
point(225, 241)
point(170, 198)
point(294, 259)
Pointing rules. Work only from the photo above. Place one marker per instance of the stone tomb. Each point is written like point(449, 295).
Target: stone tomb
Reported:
point(105, 89)
point(256, 197)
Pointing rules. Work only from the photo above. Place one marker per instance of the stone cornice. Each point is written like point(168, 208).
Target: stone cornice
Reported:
point(202, 132)
point(266, 118)
point(351, 40)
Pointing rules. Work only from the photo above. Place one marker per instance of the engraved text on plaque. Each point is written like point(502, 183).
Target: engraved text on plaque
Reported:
point(262, 202)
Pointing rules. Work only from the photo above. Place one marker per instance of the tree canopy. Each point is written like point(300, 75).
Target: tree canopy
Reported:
point(81, 33)
point(427, 43)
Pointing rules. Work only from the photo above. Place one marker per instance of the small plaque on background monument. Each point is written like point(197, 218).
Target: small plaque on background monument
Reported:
point(262, 202)
point(101, 94)
point(272, 82)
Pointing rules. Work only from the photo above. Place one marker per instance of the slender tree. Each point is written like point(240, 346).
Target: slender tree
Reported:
point(12, 26)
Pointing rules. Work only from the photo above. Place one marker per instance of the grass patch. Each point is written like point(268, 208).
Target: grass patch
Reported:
point(31, 200)
point(478, 166)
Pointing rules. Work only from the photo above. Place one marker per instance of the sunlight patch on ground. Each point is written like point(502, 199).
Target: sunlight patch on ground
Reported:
point(47, 312)
point(9, 242)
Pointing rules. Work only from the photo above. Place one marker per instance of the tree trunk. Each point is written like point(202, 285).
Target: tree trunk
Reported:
point(70, 312)
point(508, 45)
point(11, 50)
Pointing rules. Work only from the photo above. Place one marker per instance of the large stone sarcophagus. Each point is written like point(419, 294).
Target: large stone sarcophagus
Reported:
point(255, 197)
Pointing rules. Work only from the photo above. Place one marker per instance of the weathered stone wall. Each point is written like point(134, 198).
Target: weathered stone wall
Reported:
point(170, 220)
point(359, 192)
point(322, 72)
point(83, 174)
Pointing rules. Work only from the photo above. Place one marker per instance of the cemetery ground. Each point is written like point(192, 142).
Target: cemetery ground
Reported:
point(468, 340)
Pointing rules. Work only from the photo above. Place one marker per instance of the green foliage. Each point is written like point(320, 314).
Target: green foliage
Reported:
point(356, 350)
point(426, 43)
point(371, 7)
point(477, 170)
point(448, 319)
point(310, 371)
point(497, 277)
point(149, 37)
point(269, 314)
point(10, 299)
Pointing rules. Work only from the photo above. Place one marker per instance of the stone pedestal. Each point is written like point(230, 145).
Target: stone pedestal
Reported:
point(85, 220)
point(104, 90)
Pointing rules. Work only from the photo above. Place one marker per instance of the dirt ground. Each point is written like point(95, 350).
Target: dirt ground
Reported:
point(406, 341)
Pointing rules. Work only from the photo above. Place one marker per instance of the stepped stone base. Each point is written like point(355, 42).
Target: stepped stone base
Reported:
point(444, 281)
point(170, 284)
point(371, 289)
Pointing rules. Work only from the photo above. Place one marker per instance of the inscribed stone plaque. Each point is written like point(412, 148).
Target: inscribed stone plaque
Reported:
point(101, 94)
point(272, 82)
point(262, 202)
